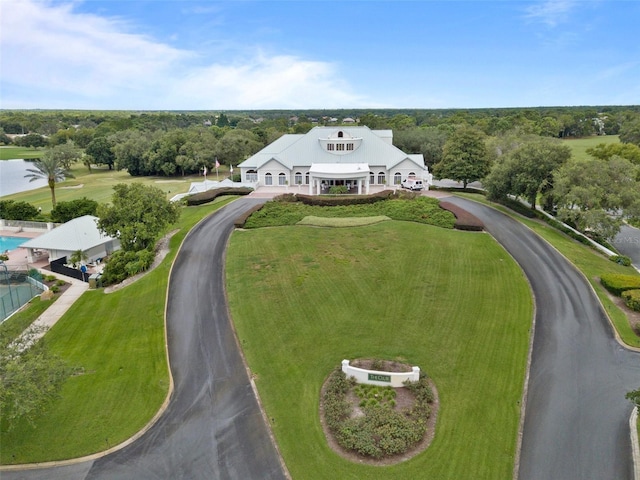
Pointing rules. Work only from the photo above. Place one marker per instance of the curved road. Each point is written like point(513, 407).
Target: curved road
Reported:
point(576, 424)
point(213, 427)
point(577, 419)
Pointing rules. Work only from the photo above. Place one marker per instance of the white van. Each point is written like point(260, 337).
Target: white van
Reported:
point(412, 184)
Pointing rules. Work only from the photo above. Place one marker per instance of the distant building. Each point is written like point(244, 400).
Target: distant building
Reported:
point(355, 157)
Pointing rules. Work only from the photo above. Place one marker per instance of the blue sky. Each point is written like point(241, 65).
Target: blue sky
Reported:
point(208, 55)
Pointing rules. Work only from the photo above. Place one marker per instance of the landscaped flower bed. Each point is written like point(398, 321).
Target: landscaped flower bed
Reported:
point(375, 422)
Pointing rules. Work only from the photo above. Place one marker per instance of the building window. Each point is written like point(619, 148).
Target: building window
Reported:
point(282, 179)
point(298, 178)
point(340, 146)
point(268, 179)
point(330, 146)
point(252, 176)
point(372, 178)
point(306, 178)
point(412, 174)
point(340, 135)
point(349, 146)
point(397, 178)
point(381, 178)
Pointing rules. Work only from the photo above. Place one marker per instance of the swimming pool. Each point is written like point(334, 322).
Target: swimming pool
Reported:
point(10, 243)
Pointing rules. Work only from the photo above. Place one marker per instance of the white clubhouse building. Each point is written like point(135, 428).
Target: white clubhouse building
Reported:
point(355, 157)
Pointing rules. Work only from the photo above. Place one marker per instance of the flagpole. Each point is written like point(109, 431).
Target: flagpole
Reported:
point(217, 166)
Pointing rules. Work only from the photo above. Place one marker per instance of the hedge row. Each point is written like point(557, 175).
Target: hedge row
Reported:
point(242, 219)
point(632, 299)
point(326, 201)
point(464, 219)
point(210, 195)
point(617, 283)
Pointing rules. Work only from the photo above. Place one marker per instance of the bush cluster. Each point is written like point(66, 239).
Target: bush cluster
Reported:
point(284, 212)
point(617, 283)
point(211, 195)
point(123, 264)
point(621, 260)
point(632, 299)
point(12, 210)
point(382, 431)
point(65, 211)
point(464, 219)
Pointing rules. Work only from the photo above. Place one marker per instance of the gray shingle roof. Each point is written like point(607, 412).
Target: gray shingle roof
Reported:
point(303, 150)
point(78, 234)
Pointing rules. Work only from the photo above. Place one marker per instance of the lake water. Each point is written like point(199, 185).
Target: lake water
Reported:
point(12, 179)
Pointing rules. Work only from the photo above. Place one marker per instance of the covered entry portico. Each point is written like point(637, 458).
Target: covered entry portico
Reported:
point(356, 174)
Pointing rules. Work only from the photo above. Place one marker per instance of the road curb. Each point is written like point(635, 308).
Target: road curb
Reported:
point(635, 448)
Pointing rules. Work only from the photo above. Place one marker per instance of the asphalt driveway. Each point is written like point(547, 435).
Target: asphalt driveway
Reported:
point(213, 427)
point(576, 425)
point(577, 419)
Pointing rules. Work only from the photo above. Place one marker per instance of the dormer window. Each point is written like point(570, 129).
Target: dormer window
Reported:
point(340, 142)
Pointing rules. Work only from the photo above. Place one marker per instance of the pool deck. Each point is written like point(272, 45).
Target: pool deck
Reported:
point(18, 256)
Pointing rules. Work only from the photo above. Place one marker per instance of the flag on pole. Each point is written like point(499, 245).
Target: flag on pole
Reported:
point(231, 169)
point(217, 163)
point(205, 170)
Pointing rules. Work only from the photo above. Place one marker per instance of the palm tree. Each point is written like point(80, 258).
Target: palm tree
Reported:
point(51, 169)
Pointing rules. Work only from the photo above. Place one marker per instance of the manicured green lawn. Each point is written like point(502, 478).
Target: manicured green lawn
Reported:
point(11, 153)
point(453, 303)
point(579, 146)
point(591, 263)
point(118, 340)
point(98, 186)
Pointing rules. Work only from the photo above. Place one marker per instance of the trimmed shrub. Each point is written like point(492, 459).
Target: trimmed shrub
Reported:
point(65, 211)
point(632, 299)
point(620, 260)
point(12, 210)
point(325, 201)
point(464, 219)
point(210, 195)
point(123, 264)
point(382, 431)
point(242, 219)
point(617, 283)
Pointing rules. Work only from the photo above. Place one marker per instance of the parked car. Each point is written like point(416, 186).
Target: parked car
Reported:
point(412, 184)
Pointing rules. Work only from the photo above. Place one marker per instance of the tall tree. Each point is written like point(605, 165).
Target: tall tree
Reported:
point(137, 215)
point(527, 170)
point(30, 375)
point(100, 151)
point(50, 168)
point(597, 195)
point(630, 132)
point(464, 158)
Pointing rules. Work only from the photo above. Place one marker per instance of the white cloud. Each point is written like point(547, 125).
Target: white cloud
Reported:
point(54, 57)
point(550, 12)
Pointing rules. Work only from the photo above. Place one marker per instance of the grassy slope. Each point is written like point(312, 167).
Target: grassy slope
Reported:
point(591, 263)
point(11, 153)
point(120, 346)
point(328, 294)
point(98, 186)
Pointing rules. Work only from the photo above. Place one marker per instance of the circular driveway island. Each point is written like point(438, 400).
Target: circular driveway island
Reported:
point(576, 423)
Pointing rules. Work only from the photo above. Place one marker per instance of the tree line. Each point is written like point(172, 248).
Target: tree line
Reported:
point(513, 151)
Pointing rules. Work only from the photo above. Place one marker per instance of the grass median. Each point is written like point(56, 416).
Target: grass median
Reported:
point(453, 303)
point(591, 263)
point(117, 341)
